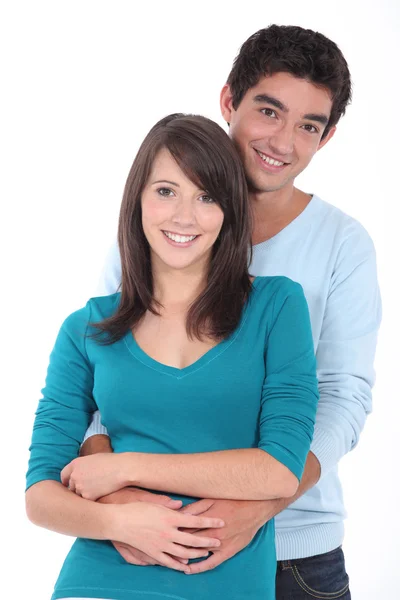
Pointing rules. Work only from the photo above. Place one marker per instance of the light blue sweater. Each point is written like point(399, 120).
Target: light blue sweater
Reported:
point(332, 256)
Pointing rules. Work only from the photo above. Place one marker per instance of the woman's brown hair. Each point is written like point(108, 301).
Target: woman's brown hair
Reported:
point(209, 159)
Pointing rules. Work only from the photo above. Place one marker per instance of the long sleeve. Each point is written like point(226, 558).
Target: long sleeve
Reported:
point(67, 404)
point(96, 427)
point(290, 391)
point(346, 350)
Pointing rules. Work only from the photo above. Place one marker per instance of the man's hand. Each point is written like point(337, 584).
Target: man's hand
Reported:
point(133, 494)
point(243, 518)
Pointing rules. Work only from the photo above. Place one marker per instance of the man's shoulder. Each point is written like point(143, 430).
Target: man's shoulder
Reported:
point(346, 228)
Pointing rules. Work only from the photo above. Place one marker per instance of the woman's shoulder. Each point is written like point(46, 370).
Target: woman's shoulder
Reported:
point(280, 300)
point(103, 307)
point(273, 298)
point(95, 310)
point(277, 286)
point(271, 293)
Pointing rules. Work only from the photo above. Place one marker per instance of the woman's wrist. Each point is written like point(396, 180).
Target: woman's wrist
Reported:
point(122, 518)
point(132, 467)
point(109, 521)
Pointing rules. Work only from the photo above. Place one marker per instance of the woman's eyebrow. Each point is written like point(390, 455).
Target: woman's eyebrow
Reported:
point(165, 181)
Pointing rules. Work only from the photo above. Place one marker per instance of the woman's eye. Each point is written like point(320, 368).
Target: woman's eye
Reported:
point(206, 199)
point(166, 192)
point(268, 112)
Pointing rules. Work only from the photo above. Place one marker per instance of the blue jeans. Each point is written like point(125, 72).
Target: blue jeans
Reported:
point(323, 576)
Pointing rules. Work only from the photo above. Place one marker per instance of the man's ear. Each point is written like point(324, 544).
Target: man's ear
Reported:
point(226, 103)
point(328, 137)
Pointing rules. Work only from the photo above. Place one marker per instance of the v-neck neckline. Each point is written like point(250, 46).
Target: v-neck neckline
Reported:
point(292, 227)
point(210, 355)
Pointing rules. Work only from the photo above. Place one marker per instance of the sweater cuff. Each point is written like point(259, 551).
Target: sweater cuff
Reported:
point(95, 427)
point(325, 448)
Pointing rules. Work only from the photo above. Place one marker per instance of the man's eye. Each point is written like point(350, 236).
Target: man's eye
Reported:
point(310, 128)
point(268, 112)
point(166, 192)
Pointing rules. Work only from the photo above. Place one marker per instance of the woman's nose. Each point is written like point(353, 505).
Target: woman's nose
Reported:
point(184, 213)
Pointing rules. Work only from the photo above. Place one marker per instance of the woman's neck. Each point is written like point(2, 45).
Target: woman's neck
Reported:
point(177, 289)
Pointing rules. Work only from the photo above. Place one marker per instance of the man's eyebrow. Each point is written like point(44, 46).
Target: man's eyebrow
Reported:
point(165, 181)
point(265, 99)
point(323, 119)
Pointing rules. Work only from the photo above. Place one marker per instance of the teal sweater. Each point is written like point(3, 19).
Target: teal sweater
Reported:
point(333, 258)
point(257, 388)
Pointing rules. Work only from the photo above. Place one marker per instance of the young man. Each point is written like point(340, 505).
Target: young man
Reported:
point(285, 94)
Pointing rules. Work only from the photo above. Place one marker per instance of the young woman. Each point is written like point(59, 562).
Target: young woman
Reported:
point(204, 376)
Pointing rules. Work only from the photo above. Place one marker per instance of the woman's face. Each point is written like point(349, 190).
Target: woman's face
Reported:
point(180, 221)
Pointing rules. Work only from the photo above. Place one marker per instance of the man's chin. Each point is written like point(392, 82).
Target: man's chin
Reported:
point(257, 187)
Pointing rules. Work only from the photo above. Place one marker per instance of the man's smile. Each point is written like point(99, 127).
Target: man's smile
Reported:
point(270, 163)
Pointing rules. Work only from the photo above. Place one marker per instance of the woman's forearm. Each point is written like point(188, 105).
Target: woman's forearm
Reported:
point(49, 504)
point(245, 474)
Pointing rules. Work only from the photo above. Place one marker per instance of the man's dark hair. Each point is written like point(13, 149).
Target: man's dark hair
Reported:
point(301, 52)
point(208, 157)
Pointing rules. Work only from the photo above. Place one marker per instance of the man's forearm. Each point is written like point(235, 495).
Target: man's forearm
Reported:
point(245, 474)
point(95, 445)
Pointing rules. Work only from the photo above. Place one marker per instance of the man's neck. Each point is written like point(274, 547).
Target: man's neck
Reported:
point(273, 211)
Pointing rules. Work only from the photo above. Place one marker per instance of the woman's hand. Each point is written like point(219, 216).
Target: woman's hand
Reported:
point(155, 531)
point(94, 476)
point(131, 494)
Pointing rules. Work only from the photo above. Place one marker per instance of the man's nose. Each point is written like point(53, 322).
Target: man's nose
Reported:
point(282, 142)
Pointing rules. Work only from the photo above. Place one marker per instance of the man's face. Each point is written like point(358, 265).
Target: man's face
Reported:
point(277, 128)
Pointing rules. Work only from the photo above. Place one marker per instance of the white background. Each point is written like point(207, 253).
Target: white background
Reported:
point(82, 82)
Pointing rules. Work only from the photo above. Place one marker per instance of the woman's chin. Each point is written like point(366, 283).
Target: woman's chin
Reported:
point(181, 260)
point(182, 265)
